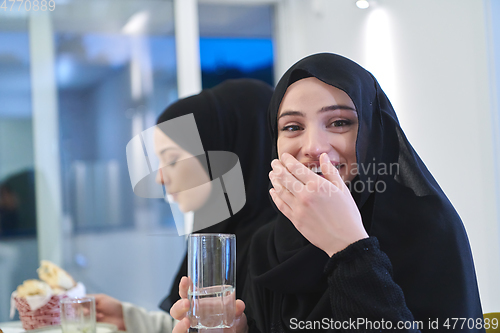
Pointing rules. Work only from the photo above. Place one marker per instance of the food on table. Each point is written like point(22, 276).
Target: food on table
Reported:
point(32, 288)
point(55, 276)
point(38, 300)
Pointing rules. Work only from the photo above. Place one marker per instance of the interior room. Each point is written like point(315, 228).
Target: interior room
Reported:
point(81, 78)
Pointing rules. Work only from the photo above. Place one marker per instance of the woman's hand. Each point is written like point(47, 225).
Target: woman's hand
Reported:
point(109, 310)
point(181, 307)
point(322, 209)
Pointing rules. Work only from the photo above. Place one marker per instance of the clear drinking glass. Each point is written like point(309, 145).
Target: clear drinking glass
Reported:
point(78, 315)
point(212, 271)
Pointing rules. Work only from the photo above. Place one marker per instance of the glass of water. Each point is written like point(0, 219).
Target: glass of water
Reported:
point(212, 274)
point(78, 315)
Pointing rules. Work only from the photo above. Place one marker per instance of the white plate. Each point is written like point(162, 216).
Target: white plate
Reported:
point(12, 330)
point(100, 328)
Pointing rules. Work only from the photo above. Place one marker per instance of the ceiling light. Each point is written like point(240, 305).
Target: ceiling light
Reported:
point(137, 24)
point(363, 4)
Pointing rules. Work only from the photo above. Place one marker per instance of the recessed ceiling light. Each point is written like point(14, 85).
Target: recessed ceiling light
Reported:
point(363, 4)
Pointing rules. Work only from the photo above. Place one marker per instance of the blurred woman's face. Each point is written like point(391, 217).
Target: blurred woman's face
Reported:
point(316, 118)
point(184, 177)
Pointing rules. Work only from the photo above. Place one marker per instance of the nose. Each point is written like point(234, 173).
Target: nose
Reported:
point(161, 177)
point(315, 143)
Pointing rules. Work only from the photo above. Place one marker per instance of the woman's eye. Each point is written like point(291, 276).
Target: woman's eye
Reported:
point(171, 161)
point(291, 128)
point(341, 123)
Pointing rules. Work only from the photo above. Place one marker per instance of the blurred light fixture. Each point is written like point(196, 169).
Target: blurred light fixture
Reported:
point(363, 4)
point(137, 24)
point(65, 70)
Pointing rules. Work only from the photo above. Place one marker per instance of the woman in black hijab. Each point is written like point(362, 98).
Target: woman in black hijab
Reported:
point(230, 117)
point(389, 251)
point(423, 268)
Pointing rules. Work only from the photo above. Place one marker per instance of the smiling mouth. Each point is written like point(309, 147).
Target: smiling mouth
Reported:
point(317, 169)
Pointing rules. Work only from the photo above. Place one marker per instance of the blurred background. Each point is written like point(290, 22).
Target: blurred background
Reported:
point(79, 79)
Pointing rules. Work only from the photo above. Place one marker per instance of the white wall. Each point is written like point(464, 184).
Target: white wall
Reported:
point(432, 60)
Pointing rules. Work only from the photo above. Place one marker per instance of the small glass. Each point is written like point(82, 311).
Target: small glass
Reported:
point(212, 273)
point(78, 315)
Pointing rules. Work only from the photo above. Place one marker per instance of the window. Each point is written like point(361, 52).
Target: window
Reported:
point(236, 42)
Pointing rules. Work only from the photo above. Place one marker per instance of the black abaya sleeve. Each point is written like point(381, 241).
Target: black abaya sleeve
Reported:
point(259, 301)
point(173, 297)
point(362, 290)
point(361, 286)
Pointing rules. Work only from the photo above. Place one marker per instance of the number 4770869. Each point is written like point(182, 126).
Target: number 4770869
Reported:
point(28, 5)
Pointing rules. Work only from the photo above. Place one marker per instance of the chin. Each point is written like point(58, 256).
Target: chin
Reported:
point(184, 208)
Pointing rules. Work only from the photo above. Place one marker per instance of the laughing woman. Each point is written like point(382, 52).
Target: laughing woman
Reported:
point(367, 240)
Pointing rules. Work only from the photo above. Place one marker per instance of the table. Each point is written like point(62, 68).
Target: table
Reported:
point(17, 327)
point(12, 327)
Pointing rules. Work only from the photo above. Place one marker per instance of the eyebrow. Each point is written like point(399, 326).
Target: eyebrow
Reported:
point(167, 149)
point(323, 109)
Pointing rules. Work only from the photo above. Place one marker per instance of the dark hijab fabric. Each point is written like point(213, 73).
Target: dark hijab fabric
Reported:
point(232, 117)
point(416, 225)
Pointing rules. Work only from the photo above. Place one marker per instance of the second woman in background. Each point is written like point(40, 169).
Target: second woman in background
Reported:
point(230, 117)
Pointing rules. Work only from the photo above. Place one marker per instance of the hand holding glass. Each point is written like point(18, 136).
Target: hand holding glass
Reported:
point(212, 274)
point(78, 315)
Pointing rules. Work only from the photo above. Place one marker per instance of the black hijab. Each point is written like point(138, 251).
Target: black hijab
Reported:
point(231, 117)
point(415, 223)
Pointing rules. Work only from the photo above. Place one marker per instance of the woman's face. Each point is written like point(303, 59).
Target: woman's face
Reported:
point(184, 177)
point(316, 118)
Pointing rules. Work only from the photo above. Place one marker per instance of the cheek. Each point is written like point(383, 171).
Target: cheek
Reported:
point(351, 147)
point(194, 174)
point(189, 174)
point(346, 146)
point(194, 198)
point(287, 145)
